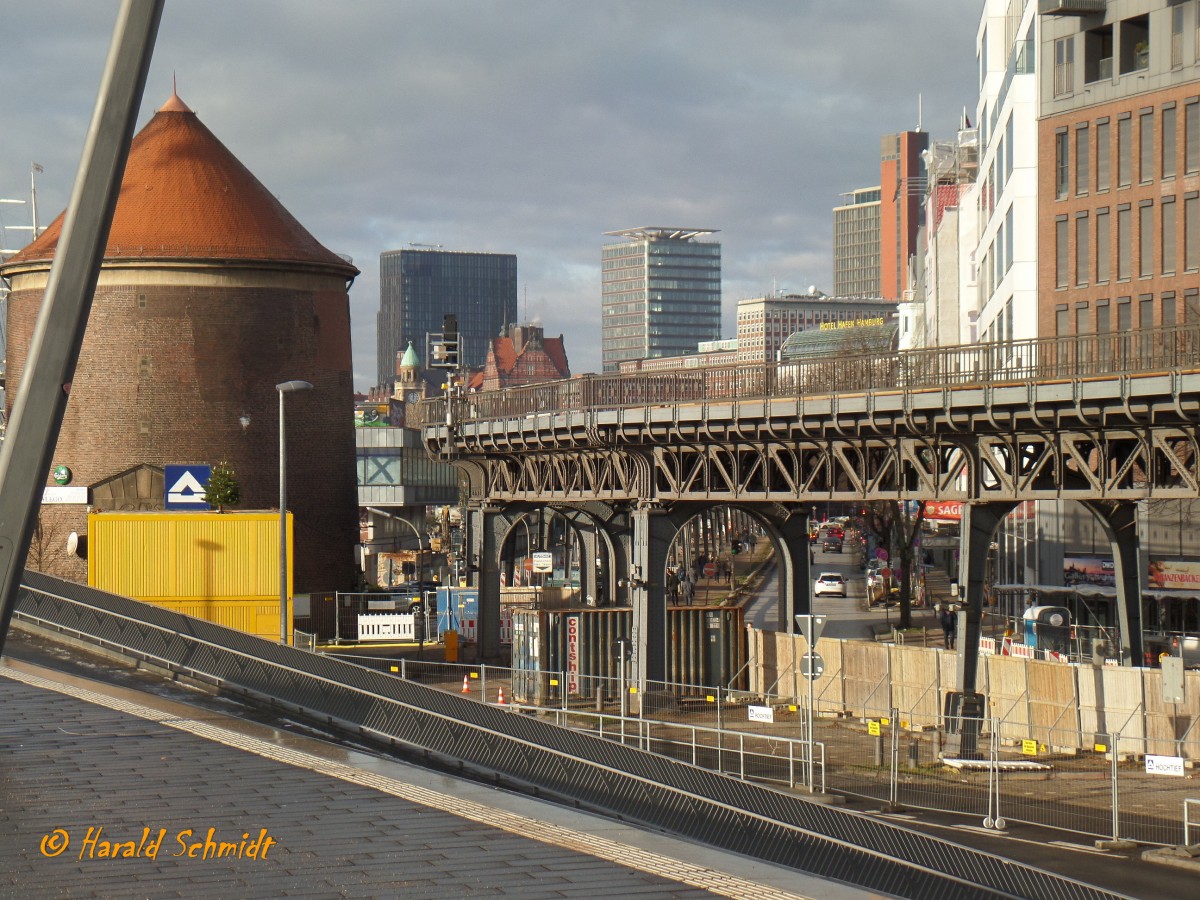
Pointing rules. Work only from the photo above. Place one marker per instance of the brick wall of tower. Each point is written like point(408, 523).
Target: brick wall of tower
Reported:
point(164, 375)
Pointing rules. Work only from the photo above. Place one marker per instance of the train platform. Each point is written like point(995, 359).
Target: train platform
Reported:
point(115, 787)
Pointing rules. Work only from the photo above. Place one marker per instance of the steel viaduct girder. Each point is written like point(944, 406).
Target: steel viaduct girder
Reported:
point(1127, 464)
point(1108, 441)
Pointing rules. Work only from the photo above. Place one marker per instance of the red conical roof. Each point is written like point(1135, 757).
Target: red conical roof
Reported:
point(185, 196)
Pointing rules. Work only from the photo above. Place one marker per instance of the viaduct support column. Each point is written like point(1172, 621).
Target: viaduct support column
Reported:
point(653, 530)
point(485, 556)
point(589, 556)
point(1120, 522)
point(979, 524)
point(795, 574)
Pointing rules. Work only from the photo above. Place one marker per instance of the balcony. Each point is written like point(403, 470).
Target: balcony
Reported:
point(1070, 7)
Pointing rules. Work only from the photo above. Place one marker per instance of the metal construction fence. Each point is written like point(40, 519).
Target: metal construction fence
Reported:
point(1092, 783)
point(651, 788)
point(861, 678)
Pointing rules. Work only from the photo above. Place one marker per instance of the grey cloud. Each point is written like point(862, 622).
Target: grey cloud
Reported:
point(524, 127)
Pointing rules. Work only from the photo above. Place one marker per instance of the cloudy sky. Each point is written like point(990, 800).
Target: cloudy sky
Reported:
point(528, 126)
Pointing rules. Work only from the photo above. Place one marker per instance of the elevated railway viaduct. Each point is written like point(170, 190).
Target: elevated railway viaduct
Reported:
point(1106, 420)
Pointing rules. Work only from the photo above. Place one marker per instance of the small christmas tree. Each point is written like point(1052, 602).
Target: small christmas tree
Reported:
point(223, 489)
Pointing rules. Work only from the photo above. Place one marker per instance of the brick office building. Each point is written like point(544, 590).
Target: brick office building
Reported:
point(210, 294)
point(1119, 168)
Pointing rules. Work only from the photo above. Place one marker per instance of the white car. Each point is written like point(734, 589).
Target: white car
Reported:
point(830, 583)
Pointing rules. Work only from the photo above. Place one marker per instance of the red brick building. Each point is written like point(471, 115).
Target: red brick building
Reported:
point(902, 182)
point(210, 294)
point(1119, 170)
point(523, 355)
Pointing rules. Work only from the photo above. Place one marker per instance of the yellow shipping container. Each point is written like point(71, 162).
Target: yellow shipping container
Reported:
point(222, 567)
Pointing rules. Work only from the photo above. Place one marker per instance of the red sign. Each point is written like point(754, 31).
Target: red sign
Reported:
point(529, 564)
point(710, 570)
point(573, 654)
point(946, 510)
point(951, 510)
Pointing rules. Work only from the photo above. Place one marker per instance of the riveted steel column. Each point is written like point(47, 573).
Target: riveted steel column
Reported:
point(1120, 523)
point(795, 572)
point(979, 524)
point(653, 530)
point(54, 350)
point(589, 555)
point(485, 560)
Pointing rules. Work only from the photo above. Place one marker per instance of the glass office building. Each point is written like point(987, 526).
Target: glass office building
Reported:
point(660, 294)
point(418, 287)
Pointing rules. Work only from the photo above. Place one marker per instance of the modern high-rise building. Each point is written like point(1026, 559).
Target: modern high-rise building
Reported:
point(418, 287)
point(660, 293)
point(856, 244)
point(902, 185)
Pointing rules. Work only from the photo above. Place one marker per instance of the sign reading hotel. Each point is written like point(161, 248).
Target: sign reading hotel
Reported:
point(850, 323)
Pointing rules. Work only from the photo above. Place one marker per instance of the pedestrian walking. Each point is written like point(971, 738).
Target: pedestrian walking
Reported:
point(687, 589)
point(949, 623)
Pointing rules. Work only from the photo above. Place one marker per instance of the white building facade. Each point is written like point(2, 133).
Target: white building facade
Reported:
point(1005, 192)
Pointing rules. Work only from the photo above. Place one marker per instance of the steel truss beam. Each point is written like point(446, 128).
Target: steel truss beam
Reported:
point(1128, 464)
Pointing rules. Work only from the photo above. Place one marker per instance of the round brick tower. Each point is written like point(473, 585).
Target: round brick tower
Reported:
point(210, 294)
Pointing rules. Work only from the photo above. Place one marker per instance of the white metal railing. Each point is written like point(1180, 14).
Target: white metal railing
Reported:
point(1189, 805)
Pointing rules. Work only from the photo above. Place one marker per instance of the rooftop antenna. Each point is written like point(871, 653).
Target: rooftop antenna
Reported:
point(525, 311)
point(920, 116)
point(35, 169)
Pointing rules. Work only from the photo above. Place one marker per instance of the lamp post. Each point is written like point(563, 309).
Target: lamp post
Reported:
point(420, 562)
point(287, 387)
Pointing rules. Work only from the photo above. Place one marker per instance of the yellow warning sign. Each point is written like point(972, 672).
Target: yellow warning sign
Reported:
point(873, 728)
point(1029, 748)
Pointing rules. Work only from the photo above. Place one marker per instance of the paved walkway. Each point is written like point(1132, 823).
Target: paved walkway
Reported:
point(110, 792)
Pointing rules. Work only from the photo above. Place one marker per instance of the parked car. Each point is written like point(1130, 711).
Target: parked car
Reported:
point(830, 583)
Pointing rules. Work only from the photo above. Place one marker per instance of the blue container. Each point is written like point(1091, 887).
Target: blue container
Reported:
point(458, 610)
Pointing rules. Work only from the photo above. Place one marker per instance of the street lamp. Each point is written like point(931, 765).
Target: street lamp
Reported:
point(287, 387)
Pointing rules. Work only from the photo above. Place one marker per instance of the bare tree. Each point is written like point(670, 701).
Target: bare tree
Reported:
point(898, 531)
point(47, 546)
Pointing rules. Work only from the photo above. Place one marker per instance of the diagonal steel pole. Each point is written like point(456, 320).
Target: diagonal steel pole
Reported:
point(42, 396)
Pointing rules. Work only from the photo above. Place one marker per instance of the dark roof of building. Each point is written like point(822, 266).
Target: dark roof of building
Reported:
point(185, 196)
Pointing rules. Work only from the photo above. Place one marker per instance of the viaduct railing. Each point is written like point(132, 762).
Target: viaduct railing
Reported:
point(1038, 360)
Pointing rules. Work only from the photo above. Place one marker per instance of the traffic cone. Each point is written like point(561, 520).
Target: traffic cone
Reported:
point(500, 701)
point(466, 684)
